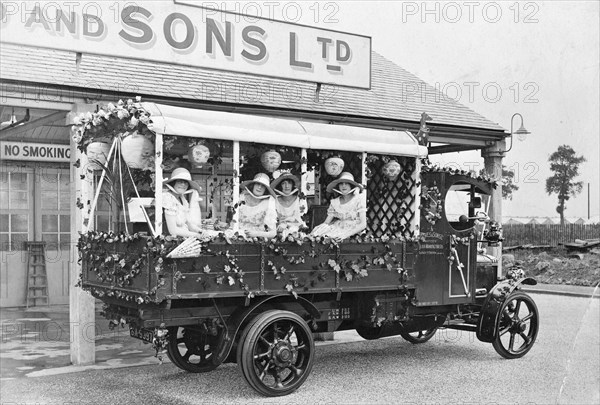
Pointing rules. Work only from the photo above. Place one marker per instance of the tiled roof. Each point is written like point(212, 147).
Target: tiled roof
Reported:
point(392, 95)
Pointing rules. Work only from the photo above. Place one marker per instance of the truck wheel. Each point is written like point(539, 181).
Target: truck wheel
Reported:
point(276, 352)
point(517, 326)
point(369, 332)
point(420, 336)
point(191, 350)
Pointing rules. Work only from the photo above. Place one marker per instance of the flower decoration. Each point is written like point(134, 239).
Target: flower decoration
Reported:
point(109, 122)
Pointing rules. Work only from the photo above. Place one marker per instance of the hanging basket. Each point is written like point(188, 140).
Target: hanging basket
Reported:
point(97, 152)
point(137, 151)
point(334, 166)
point(198, 155)
point(271, 160)
point(391, 170)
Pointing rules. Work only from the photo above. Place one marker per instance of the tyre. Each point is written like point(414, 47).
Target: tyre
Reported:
point(191, 350)
point(517, 326)
point(276, 352)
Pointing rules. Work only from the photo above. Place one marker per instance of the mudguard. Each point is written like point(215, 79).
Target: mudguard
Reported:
point(490, 310)
point(234, 322)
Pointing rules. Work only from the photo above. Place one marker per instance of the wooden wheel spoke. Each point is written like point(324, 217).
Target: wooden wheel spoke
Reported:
point(526, 338)
point(278, 382)
point(261, 355)
point(296, 370)
point(264, 340)
point(503, 331)
point(263, 373)
point(518, 307)
point(511, 343)
point(527, 317)
point(302, 347)
point(187, 355)
point(289, 333)
point(180, 340)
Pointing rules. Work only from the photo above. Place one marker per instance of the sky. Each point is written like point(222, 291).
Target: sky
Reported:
point(542, 55)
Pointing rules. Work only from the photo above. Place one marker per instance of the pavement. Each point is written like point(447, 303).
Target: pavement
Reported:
point(36, 341)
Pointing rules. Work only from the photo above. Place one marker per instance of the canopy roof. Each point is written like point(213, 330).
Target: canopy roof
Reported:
point(171, 120)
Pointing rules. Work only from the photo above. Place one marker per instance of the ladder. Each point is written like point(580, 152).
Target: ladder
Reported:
point(37, 279)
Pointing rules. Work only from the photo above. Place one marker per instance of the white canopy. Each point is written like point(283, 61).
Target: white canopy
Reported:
point(170, 120)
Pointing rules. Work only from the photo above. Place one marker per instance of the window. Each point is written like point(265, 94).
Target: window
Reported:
point(56, 205)
point(16, 206)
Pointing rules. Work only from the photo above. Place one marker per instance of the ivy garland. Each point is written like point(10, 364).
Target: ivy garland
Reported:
point(118, 259)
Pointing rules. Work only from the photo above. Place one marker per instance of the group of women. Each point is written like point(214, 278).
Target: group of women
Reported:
point(266, 208)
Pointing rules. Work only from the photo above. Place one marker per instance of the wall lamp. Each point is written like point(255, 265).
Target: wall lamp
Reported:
point(521, 132)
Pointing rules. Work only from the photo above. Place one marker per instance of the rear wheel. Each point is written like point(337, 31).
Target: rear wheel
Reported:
point(420, 336)
point(276, 353)
point(517, 326)
point(370, 332)
point(191, 350)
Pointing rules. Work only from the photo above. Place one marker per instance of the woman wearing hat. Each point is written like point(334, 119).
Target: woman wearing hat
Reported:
point(258, 215)
point(181, 198)
point(289, 206)
point(346, 215)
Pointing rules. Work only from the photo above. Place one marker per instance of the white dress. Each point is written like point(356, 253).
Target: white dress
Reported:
point(260, 217)
point(292, 215)
point(346, 217)
point(186, 211)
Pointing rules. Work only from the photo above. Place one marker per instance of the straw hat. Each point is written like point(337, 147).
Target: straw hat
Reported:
point(345, 177)
point(182, 173)
point(287, 176)
point(259, 178)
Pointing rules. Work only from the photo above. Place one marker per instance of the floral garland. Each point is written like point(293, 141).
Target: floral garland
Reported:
point(120, 266)
point(431, 204)
point(428, 167)
point(109, 122)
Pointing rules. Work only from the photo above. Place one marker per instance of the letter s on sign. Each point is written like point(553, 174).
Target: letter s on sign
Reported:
point(128, 20)
point(255, 42)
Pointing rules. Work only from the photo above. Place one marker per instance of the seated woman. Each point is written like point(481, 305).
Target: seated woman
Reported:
point(258, 215)
point(181, 200)
point(289, 206)
point(346, 215)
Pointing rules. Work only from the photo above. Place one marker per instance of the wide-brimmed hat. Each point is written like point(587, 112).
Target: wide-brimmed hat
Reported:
point(259, 178)
point(345, 177)
point(287, 176)
point(182, 173)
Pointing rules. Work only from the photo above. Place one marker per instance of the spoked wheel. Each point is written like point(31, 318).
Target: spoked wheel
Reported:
point(370, 332)
point(420, 336)
point(191, 350)
point(276, 353)
point(517, 326)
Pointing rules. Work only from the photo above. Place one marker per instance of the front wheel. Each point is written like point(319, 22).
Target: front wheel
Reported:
point(276, 353)
point(517, 326)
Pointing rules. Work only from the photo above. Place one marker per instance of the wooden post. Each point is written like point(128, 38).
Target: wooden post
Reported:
point(158, 173)
point(81, 303)
point(492, 159)
point(236, 185)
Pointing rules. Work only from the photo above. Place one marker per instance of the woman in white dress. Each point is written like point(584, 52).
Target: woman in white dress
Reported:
point(181, 203)
point(347, 214)
point(290, 207)
point(258, 215)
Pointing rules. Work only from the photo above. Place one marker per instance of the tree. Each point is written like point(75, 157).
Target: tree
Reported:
point(565, 165)
point(508, 184)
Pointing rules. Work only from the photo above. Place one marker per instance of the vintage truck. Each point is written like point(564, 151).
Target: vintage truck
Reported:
point(418, 266)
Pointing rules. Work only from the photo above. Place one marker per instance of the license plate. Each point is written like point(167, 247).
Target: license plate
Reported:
point(147, 335)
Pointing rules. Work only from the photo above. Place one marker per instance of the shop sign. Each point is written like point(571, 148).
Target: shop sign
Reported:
point(39, 152)
point(188, 34)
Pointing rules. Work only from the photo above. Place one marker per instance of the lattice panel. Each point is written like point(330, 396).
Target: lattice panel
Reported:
point(392, 205)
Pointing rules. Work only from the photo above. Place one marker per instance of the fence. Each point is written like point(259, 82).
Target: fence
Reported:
point(538, 234)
